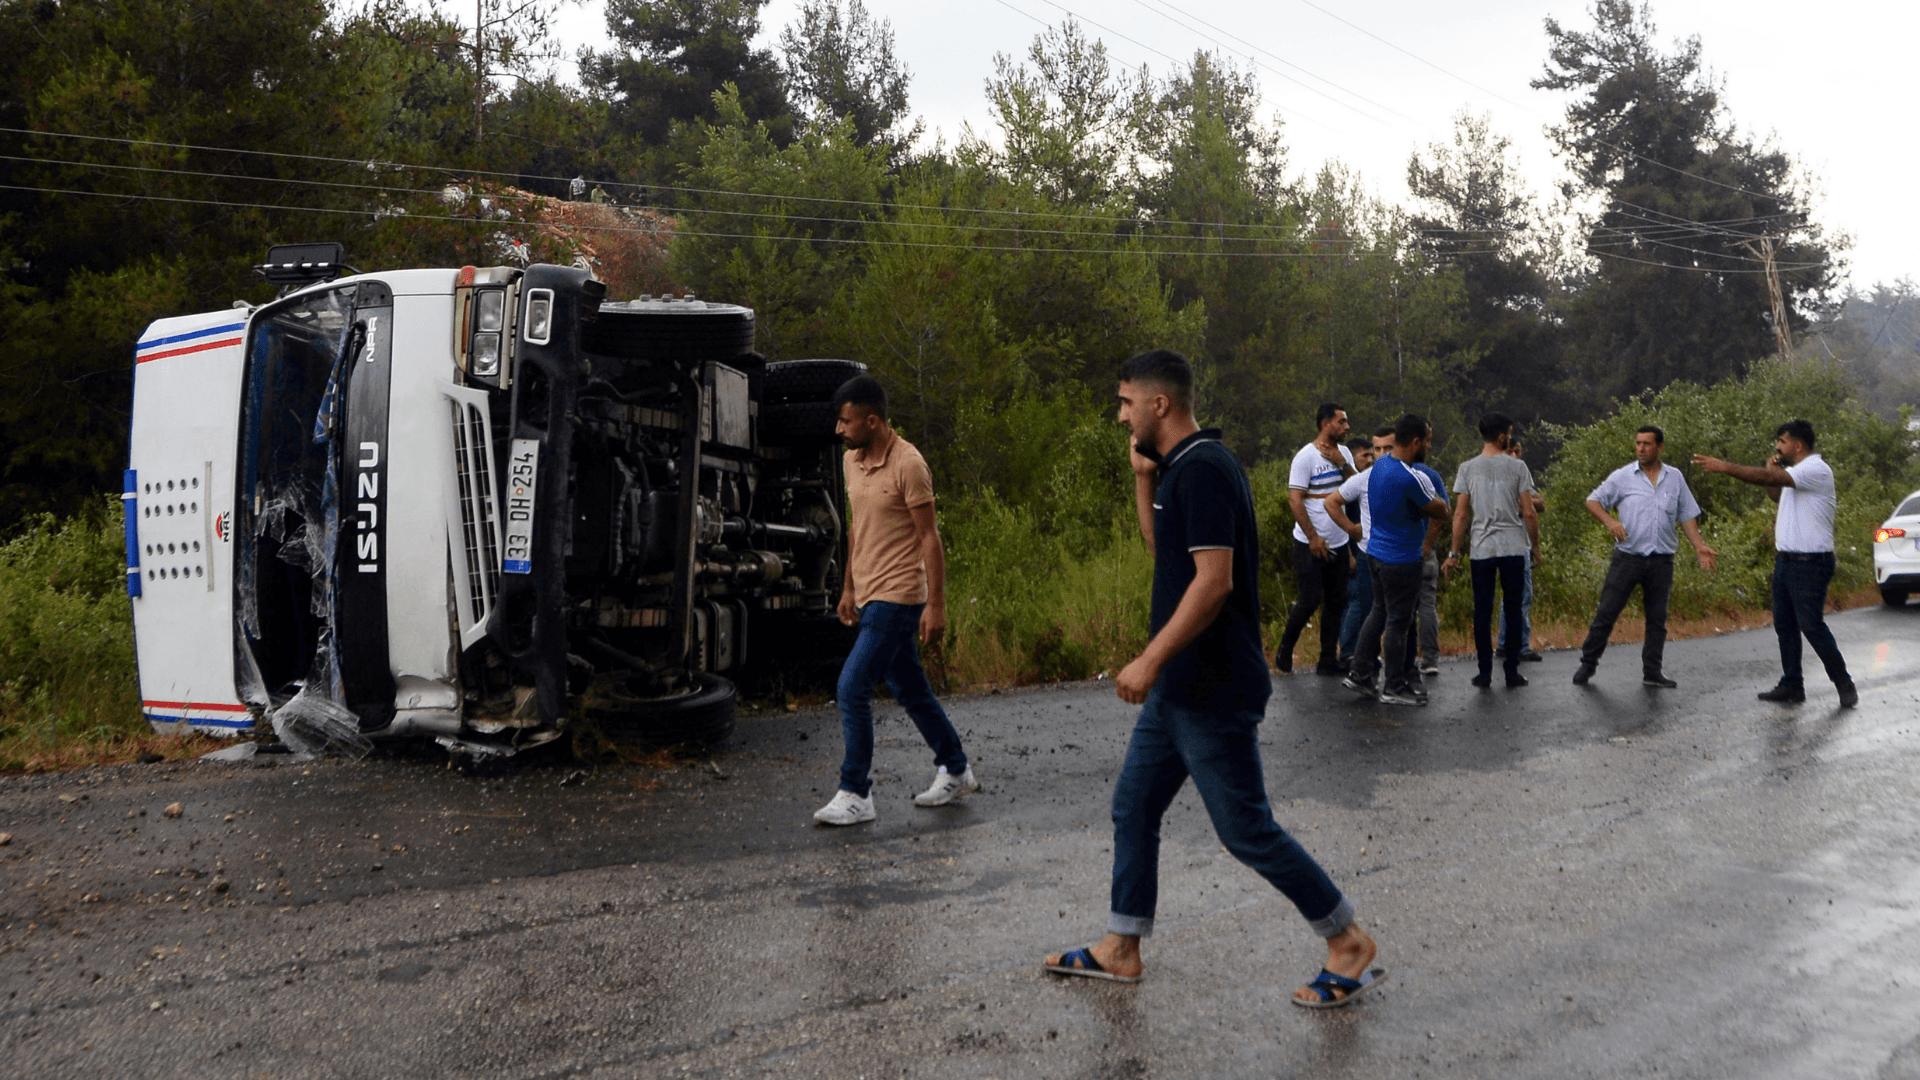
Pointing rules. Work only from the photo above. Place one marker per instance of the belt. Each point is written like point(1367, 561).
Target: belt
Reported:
point(1647, 555)
point(1805, 556)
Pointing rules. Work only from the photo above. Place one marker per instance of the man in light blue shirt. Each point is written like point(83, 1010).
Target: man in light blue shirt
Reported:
point(1650, 500)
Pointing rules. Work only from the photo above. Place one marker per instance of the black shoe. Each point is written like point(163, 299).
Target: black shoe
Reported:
point(1784, 694)
point(1530, 656)
point(1583, 673)
point(1324, 668)
point(1516, 679)
point(1654, 678)
point(1363, 687)
point(1849, 697)
point(1417, 692)
point(1399, 696)
point(1483, 680)
point(1283, 661)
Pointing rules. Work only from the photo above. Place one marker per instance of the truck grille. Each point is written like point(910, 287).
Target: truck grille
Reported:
point(479, 523)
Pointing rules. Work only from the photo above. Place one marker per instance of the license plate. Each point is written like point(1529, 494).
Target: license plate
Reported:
point(523, 471)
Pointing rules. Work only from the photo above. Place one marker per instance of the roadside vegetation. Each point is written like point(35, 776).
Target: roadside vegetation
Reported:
point(993, 278)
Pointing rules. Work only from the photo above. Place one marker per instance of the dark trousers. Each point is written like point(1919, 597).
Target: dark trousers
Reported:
point(1654, 576)
point(1800, 607)
point(885, 651)
point(1359, 603)
point(1221, 752)
point(1511, 573)
point(1396, 595)
point(1323, 588)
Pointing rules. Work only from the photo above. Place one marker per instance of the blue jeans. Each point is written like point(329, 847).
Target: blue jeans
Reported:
point(1359, 602)
point(1526, 612)
point(885, 650)
point(1800, 607)
point(1171, 742)
point(1508, 570)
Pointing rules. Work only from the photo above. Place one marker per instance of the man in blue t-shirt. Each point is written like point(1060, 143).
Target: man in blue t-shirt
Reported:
point(1400, 501)
point(1203, 683)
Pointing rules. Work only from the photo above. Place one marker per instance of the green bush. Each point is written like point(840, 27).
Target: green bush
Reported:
point(1022, 607)
point(66, 633)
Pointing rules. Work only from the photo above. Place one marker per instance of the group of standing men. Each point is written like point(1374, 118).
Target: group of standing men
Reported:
point(1374, 580)
point(1202, 680)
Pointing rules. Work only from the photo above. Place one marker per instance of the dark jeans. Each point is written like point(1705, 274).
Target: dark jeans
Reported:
point(885, 650)
point(1359, 603)
point(1526, 612)
point(1511, 572)
point(1800, 607)
point(1171, 742)
point(1654, 575)
point(1396, 596)
point(1323, 588)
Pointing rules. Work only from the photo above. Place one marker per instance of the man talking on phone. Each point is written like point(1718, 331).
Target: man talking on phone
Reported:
point(1202, 685)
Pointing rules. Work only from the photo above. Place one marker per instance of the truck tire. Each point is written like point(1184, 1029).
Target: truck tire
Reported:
point(792, 381)
point(702, 717)
point(798, 424)
point(671, 331)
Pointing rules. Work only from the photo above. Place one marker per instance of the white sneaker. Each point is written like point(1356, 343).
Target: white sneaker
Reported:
point(947, 787)
point(845, 809)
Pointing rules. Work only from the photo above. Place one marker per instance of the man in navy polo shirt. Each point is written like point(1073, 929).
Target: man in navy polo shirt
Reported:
point(1400, 501)
point(1202, 681)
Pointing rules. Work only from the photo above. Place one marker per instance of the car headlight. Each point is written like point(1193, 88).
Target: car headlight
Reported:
point(538, 327)
point(486, 354)
point(490, 312)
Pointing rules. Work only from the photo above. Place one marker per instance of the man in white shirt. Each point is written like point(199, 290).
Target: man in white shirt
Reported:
point(1319, 546)
point(1802, 483)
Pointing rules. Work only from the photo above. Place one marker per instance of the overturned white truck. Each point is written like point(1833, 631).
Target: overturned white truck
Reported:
point(472, 504)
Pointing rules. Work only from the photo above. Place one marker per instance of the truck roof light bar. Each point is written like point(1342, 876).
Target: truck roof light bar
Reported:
point(304, 264)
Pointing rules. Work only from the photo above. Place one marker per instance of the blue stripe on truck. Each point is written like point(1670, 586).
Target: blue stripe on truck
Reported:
point(130, 511)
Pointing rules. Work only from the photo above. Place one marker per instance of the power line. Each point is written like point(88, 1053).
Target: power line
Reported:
point(1170, 59)
point(1603, 142)
point(429, 193)
point(1254, 60)
point(458, 174)
point(498, 225)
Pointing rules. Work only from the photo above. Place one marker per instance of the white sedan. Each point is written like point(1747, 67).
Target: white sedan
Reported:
point(1896, 552)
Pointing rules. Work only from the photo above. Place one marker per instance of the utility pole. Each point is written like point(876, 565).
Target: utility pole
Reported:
point(479, 67)
point(1782, 332)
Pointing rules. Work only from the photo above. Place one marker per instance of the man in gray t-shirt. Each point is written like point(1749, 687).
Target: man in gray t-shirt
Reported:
point(1494, 491)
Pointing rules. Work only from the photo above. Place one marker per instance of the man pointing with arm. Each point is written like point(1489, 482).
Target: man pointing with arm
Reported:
point(1802, 483)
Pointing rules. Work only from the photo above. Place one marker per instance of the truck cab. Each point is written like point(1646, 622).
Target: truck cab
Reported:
point(475, 504)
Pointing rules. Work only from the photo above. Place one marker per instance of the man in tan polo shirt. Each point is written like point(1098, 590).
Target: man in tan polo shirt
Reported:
point(895, 588)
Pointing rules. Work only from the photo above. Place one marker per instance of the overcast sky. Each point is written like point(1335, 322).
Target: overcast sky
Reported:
point(1832, 83)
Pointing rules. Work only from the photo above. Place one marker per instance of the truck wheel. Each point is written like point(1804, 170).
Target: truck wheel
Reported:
point(673, 331)
point(797, 423)
point(702, 716)
point(1894, 597)
point(806, 380)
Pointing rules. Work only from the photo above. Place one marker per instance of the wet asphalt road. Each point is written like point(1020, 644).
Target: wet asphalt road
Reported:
point(1565, 883)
